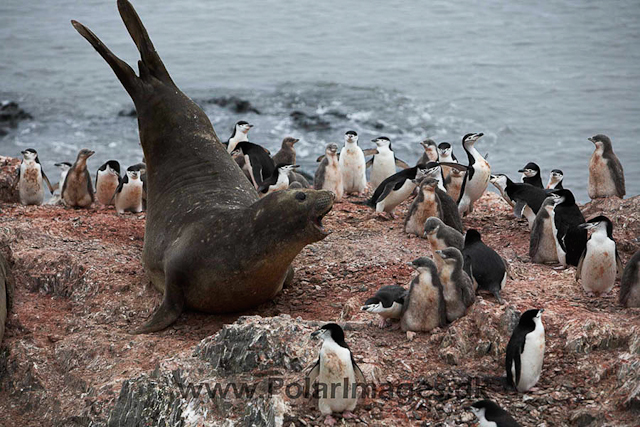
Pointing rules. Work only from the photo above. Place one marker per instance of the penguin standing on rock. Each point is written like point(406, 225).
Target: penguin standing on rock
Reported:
point(542, 244)
point(477, 176)
point(525, 351)
point(531, 175)
point(287, 152)
point(279, 180)
point(107, 181)
point(448, 207)
point(383, 163)
point(424, 307)
point(457, 286)
point(31, 179)
point(387, 303)
point(600, 263)
point(424, 206)
point(430, 152)
point(555, 180)
point(441, 236)
point(329, 174)
point(64, 169)
point(335, 368)
point(606, 177)
point(128, 196)
point(570, 239)
point(484, 265)
point(77, 190)
point(491, 415)
point(630, 283)
point(353, 165)
point(257, 162)
point(396, 189)
point(453, 182)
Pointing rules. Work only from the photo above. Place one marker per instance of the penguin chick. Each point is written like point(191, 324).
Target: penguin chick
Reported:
point(457, 286)
point(570, 239)
point(424, 206)
point(128, 196)
point(531, 175)
point(630, 283)
point(353, 165)
point(555, 180)
point(31, 179)
point(542, 244)
point(600, 263)
point(64, 169)
point(484, 265)
point(77, 190)
point(525, 351)
point(107, 182)
point(329, 173)
point(453, 182)
point(441, 236)
point(387, 303)
point(334, 368)
point(430, 152)
point(606, 177)
point(396, 189)
point(287, 152)
point(477, 175)
point(279, 179)
point(239, 134)
point(491, 415)
point(424, 307)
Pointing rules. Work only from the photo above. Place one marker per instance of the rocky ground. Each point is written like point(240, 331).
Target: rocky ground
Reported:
point(68, 358)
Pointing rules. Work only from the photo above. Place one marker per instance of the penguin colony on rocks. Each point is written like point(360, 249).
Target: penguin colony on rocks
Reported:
point(444, 190)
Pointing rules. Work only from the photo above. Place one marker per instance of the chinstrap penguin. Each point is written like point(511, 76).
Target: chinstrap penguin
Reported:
point(353, 165)
point(383, 163)
point(334, 367)
point(491, 415)
point(542, 243)
point(525, 351)
point(396, 189)
point(31, 179)
point(600, 263)
point(531, 175)
point(457, 286)
point(449, 208)
point(128, 196)
point(279, 179)
point(424, 307)
point(630, 283)
point(445, 154)
point(257, 162)
point(555, 180)
point(387, 303)
point(441, 236)
point(239, 134)
point(107, 181)
point(477, 175)
point(606, 177)
point(570, 239)
point(329, 173)
point(484, 265)
point(77, 190)
point(525, 198)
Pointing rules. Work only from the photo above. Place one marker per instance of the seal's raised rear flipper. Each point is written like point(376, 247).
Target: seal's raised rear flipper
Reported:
point(150, 58)
point(123, 71)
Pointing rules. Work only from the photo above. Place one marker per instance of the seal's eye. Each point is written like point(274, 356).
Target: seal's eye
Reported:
point(301, 196)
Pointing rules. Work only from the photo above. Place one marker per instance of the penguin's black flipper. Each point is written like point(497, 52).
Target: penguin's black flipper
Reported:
point(44, 177)
point(518, 209)
point(391, 186)
point(579, 267)
point(370, 162)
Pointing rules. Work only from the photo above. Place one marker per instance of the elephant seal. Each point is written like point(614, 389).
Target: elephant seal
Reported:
point(210, 243)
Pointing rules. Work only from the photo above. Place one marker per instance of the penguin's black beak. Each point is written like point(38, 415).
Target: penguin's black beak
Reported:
point(316, 333)
point(480, 134)
point(295, 166)
point(23, 152)
point(587, 225)
point(591, 139)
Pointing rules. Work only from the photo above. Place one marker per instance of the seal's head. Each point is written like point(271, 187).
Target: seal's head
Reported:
point(294, 216)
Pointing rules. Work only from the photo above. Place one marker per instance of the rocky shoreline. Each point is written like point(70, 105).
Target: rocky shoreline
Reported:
point(68, 359)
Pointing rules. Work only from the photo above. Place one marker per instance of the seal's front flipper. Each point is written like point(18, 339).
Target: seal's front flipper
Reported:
point(150, 57)
point(123, 71)
point(170, 309)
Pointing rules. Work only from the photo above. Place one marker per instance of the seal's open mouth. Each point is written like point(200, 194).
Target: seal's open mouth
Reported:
point(324, 203)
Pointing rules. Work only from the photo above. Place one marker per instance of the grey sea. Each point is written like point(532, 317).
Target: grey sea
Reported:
point(538, 78)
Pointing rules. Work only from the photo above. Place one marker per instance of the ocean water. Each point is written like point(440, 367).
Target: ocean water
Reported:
point(537, 79)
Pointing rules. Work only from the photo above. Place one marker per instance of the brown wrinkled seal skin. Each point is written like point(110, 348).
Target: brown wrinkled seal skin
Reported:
point(210, 244)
